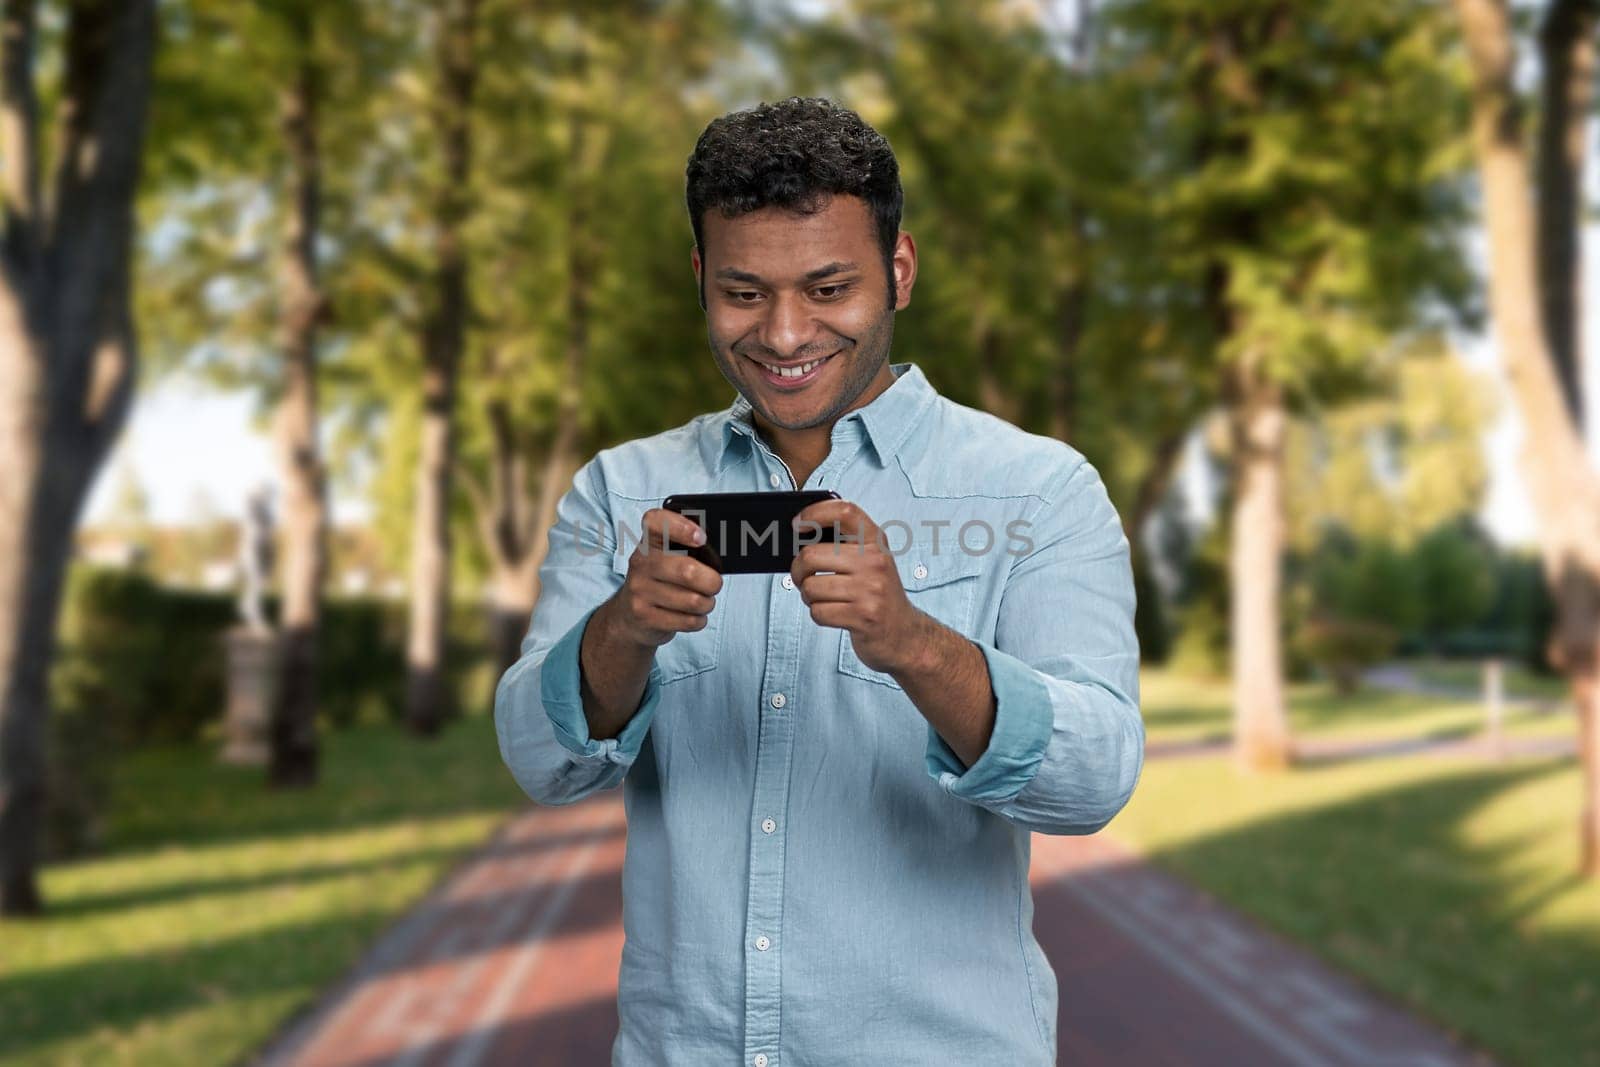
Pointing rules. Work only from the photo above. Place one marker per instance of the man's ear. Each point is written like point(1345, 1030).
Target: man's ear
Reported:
point(905, 269)
point(699, 280)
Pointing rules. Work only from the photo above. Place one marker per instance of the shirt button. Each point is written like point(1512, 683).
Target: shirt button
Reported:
point(760, 1060)
point(920, 573)
point(762, 943)
point(774, 481)
point(767, 826)
point(779, 700)
point(788, 581)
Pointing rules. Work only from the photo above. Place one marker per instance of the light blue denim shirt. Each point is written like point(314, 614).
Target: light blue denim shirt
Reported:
point(812, 876)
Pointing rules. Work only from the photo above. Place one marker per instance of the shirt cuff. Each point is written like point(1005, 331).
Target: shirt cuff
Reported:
point(561, 691)
point(1023, 720)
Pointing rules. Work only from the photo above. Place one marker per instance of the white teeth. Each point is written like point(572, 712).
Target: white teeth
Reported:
point(786, 372)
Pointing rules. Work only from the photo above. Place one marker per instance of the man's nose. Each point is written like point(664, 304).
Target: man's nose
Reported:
point(788, 325)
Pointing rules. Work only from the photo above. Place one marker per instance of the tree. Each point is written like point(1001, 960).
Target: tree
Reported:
point(443, 339)
point(68, 351)
point(1564, 488)
point(1046, 294)
point(260, 103)
point(581, 188)
point(1311, 190)
point(302, 307)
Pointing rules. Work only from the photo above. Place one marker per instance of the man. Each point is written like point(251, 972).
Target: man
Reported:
point(830, 778)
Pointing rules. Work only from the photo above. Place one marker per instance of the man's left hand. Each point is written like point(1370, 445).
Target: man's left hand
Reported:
point(863, 594)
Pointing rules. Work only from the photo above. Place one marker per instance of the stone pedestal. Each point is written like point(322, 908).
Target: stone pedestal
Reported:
point(253, 658)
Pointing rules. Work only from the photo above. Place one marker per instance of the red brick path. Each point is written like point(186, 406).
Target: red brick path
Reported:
point(513, 960)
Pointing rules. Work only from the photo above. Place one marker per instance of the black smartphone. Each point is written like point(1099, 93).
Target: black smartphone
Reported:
point(750, 533)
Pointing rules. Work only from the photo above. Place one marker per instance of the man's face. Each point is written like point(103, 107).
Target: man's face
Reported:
point(788, 289)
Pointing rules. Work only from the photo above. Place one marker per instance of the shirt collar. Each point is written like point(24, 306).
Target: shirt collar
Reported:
point(888, 418)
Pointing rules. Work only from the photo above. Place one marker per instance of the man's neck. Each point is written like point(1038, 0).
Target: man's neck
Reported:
point(803, 450)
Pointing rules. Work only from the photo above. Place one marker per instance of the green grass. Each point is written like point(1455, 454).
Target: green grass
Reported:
point(1450, 884)
point(220, 908)
point(1518, 681)
point(1185, 709)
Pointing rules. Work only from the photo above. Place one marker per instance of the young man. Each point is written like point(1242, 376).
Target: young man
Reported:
point(831, 777)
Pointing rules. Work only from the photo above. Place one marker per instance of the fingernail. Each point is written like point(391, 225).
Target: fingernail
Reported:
point(699, 536)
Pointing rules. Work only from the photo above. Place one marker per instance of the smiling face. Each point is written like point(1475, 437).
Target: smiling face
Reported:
point(788, 289)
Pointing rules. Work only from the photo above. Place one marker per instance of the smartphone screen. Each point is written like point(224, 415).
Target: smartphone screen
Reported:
point(750, 533)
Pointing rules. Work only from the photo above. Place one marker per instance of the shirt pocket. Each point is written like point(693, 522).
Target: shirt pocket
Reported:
point(943, 584)
point(688, 653)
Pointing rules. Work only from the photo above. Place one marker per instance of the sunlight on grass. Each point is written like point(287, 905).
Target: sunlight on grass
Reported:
point(1448, 883)
point(220, 908)
point(1181, 709)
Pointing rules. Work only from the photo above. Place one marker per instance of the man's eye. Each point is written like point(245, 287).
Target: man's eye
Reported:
point(828, 292)
point(740, 295)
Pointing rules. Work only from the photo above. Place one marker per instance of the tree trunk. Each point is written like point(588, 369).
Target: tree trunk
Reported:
point(1153, 486)
point(1564, 489)
point(503, 520)
point(516, 534)
point(428, 701)
point(1567, 64)
point(68, 360)
point(993, 395)
point(1258, 422)
point(1071, 307)
point(294, 718)
point(514, 586)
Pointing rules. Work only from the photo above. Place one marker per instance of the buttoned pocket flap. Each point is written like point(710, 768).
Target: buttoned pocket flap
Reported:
point(944, 584)
point(690, 652)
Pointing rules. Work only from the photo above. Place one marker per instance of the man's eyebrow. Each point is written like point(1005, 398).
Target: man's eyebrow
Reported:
point(835, 267)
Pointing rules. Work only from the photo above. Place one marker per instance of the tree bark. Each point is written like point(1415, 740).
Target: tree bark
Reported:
point(993, 395)
point(294, 718)
point(1564, 488)
point(1567, 64)
point(68, 359)
point(1153, 486)
point(428, 701)
point(1258, 422)
point(1071, 311)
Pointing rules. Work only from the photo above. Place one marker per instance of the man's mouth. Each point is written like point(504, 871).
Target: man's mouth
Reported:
point(793, 374)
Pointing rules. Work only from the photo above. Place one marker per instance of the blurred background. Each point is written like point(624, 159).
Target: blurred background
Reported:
point(310, 311)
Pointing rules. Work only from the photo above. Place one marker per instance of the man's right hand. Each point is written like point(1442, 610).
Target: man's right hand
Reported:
point(666, 592)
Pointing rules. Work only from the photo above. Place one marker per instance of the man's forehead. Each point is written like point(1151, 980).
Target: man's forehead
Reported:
point(781, 244)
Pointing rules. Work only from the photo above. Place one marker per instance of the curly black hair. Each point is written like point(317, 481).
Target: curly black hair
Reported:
point(794, 154)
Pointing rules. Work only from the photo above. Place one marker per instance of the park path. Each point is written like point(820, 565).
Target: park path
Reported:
point(513, 960)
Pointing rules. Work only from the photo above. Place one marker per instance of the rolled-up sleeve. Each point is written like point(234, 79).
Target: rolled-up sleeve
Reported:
point(538, 704)
point(1067, 746)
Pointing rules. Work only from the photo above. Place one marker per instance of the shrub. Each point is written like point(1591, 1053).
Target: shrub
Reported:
point(1345, 647)
point(140, 663)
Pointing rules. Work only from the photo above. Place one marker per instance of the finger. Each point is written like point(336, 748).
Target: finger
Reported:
point(846, 514)
point(833, 613)
point(676, 570)
point(836, 558)
point(839, 532)
point(826, 588)
point(677, 598)
point(676, 621)
point(661, 525)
